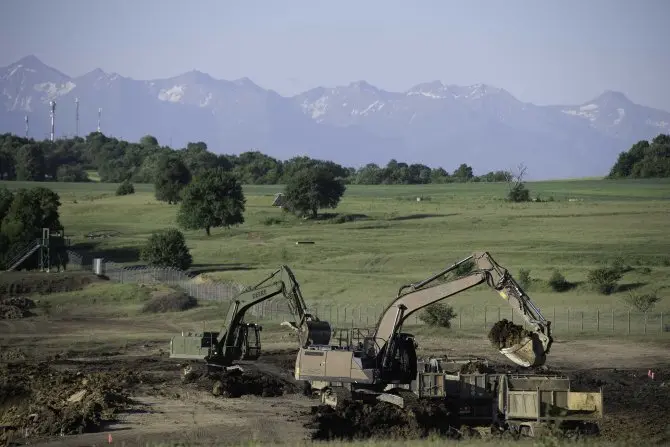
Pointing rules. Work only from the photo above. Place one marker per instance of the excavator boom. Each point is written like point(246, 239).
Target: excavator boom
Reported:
point(530, 351)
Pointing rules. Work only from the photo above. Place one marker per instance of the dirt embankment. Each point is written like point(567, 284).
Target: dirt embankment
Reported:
point(16, 307)
point(28, 283)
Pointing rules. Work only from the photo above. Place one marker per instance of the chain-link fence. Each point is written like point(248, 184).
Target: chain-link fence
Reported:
point(563, 319)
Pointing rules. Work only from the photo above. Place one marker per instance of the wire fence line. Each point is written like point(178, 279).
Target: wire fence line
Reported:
point(564, 319)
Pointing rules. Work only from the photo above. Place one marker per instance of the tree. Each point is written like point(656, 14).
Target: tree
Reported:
point(30, 164)
point(517, 189)
point(171, 177)
point(463, 173)
point(167, 248)
point(311, 189)
point(214, 199)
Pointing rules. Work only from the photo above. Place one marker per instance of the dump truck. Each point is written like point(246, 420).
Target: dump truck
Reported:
point(386, 361)
point(523, 404)
point(239, 340)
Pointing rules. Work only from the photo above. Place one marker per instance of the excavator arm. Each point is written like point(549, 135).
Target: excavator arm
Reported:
point(231, 343)
point(530, 351)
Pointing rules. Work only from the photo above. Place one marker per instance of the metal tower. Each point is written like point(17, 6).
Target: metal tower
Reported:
point(76, 116)
point(53, 119)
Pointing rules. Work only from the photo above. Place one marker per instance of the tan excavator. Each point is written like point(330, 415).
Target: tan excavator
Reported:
point(387, 359)
point(236, 341)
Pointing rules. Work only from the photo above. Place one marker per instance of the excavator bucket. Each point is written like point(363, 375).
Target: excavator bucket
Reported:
point(529, 352)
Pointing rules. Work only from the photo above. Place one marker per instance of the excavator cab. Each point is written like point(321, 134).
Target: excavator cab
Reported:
point(250, 335)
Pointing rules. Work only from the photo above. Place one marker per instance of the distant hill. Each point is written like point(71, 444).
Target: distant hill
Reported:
point(432, 123)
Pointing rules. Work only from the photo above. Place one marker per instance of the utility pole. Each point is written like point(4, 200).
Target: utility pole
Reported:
point(76, 116)
point(53, 119)
point(99, 115)
point(27, 127)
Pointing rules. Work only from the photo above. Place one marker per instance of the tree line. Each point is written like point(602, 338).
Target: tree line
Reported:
point(116, 161)
point(644, 160)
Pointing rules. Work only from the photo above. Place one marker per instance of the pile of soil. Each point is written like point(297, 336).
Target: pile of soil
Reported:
point(37, 400)
point(241, 383)
point(636, 407)
point(169, 301)
point(28, 283)
point(15, 307)
point(477, 368)
point(505, 334)
point(356, 421)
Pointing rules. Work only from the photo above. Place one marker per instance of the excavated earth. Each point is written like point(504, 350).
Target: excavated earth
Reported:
point(505, 334)
point(71, 396)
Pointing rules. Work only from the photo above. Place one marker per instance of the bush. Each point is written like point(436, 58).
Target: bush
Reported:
point(619, 264)
point(125, 189)
point(170, 301)
point(438, 315)
point(558, 283)
point(272, 221)
point(167, 249)
point(642, 303)
point(524, 278)
point(604, 279)
point(518, 193)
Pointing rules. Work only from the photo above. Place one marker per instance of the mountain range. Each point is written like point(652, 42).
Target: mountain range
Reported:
point(431, 123)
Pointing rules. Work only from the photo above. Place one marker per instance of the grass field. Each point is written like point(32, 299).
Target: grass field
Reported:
point(399, 239)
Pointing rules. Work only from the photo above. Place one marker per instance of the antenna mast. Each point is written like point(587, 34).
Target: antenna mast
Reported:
point(53, 119)
point(27, 128)
point(76, 116)
point(99, 115)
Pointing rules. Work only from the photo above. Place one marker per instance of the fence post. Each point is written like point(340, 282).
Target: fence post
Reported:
point(337, 314)
point(568, 319)
point(582, 329)
point(484, 317)
point(662, 328)
point(612, 320)
point(645, 323)
point(553, 323)
point(460, 320)
point(498, 313)
point(473, 314)
point(629, 321)
point(597, 320)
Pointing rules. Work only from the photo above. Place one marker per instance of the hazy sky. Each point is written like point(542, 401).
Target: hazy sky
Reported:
point(559, 51)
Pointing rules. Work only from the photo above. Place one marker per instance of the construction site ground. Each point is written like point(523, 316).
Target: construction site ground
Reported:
point(105, 373)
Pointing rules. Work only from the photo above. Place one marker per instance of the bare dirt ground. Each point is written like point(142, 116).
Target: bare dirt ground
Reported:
point(61, 375)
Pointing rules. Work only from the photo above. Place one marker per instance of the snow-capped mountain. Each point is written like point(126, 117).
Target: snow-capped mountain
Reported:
point(431, 123)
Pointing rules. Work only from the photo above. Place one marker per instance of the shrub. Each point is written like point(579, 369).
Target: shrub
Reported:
point(518, 193)
point(438, 315)
point(170, 301)
point(524, 278)
point(272, 221)
point(604, 279)
point(167, 248)
point(643, 303)
point(558, 283)
point(620, 265)
point(125, 189)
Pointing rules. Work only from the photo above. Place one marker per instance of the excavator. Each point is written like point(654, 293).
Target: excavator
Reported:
point(387, 359)
point(238, 340)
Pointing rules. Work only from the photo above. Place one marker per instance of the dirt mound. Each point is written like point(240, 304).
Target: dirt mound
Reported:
point(169, 301)
point(239, 383)
point(15, 307)
point(20, 283)
point(356, 421)
point(636, 407)
point(477, 368)
point(38, 400)
point(505, 334)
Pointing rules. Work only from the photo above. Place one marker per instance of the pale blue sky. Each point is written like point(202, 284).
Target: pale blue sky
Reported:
point(559, 51)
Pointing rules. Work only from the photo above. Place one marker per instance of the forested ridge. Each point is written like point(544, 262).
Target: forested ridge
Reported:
point(68, 160)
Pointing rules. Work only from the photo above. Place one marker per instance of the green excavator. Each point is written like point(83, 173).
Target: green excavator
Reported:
point(239, 340)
